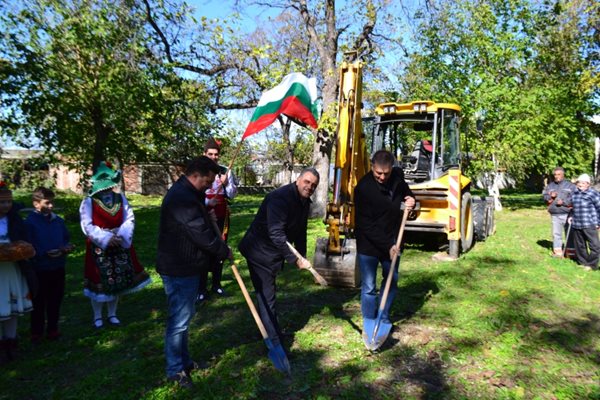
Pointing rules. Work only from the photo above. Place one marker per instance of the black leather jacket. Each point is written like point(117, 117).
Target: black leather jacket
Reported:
point(186, 238)
point(378, 213)
point(283, 215)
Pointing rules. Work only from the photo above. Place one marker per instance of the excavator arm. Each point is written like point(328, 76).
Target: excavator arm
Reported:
point(335, 256)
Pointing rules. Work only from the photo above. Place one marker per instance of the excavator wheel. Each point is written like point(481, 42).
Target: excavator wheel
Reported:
point(338, 270)
point(466, 222)
point(455, 247)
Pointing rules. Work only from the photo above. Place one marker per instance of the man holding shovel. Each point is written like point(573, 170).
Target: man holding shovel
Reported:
point(378, 199)
point(281, 218)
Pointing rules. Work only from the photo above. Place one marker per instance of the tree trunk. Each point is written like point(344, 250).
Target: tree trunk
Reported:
point(101, 132)
point(324, 143)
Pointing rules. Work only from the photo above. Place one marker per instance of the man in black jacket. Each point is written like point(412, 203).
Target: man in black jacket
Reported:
point(186, 243)
point(378, 198)
point(282, 216)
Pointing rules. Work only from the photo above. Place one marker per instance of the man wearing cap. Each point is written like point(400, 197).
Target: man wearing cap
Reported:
point(557, 196)
point(585, 222)
point(218, 196)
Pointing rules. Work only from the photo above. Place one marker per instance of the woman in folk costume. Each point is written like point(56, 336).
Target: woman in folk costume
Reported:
point(111, 265)
point(15, 295)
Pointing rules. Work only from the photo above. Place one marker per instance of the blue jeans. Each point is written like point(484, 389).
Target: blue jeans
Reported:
point(369, 299)
point(181, 293)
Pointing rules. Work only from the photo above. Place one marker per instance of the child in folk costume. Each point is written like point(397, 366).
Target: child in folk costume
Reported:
point(15, 296)
point(111, 265)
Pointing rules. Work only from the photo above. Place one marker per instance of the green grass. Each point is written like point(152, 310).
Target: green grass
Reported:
point(506, 321)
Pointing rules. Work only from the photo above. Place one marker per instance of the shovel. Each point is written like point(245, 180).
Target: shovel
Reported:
point(316, 275)
point(375, 331)
point(276, 353)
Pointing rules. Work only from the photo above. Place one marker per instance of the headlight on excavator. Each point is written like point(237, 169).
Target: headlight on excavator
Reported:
point(420, 107)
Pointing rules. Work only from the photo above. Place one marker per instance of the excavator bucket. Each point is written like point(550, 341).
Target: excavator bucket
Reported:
point(338, 270)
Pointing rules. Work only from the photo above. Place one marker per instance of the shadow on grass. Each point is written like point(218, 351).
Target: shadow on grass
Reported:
point(546, 244)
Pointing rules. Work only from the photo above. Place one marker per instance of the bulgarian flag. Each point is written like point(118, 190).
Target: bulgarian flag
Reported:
point(295, 97)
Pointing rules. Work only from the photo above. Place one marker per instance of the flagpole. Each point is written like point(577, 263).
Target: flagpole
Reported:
point(237, 151)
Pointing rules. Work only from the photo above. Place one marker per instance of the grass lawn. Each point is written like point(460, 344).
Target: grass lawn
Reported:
point(506, 321)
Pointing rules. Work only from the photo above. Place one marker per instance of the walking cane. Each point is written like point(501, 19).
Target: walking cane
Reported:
point(564, 252)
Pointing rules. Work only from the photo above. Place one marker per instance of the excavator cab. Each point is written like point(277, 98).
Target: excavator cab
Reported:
point(423, 136)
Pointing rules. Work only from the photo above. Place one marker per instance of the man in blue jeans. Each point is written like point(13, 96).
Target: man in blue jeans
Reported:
point(186, 243)
point(378, 198)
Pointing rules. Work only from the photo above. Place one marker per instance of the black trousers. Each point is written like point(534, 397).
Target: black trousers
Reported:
point(46, 305)
point(583, 238)
point(264, 281)
point(216, 267)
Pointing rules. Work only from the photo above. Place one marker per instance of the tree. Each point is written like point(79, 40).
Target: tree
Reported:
point(235, 67)
point(331, 31)
point(525, 67)
point(81, 82)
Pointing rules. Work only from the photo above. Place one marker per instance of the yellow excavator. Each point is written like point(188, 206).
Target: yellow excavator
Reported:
point(424, 137)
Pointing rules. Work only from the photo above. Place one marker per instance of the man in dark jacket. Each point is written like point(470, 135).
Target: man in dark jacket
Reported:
point(282, 216)
point(558, 196)
point(186, 243)
point(378, 198)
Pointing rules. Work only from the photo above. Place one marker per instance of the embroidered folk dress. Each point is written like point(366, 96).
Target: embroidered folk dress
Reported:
point(110, 271)
point(15, 298)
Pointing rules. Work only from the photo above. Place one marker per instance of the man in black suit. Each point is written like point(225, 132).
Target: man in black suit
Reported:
point(282, 216)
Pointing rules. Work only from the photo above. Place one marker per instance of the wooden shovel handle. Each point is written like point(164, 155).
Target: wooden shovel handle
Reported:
point(253, 310)
point(312, 270)
point(388, 281)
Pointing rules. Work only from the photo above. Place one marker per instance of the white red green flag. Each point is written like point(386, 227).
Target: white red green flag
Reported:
point(295, 97)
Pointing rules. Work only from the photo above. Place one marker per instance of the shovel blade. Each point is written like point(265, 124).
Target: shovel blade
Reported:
point(278, 357)
point(382, 334)
point(368, 329)
point(375, 332)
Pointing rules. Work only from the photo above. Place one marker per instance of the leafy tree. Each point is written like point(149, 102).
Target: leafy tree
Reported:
point(525, 67)
point(235, 67)
point(81, 83)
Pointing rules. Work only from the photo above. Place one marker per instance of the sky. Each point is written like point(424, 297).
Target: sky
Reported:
point(221, 9)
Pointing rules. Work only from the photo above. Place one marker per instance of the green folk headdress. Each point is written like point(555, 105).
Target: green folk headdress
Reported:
point(105, 177)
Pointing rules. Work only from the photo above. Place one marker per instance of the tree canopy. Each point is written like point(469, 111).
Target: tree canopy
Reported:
point(529, 71)
point(144, 80)
point(80, 81)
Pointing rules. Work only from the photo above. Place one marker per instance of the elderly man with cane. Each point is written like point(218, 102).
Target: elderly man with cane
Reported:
point(558, 196)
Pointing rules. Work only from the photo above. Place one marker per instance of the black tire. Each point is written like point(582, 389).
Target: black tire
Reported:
point(480, 217)
point(490, 225)
point(466, 222)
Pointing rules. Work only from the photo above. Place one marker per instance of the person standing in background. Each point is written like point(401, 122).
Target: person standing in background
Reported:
point(218, 196)
point(558, 196)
